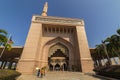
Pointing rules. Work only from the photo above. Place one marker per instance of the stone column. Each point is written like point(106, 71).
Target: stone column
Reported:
point(15, 66)
point(53, 67)
point(100, 63)
point(4, 64)
point(1, 65)
point(10, 65)
point(53, 64)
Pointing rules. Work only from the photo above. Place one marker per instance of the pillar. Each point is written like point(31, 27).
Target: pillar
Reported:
point(1, 64)
point(29, 57)
point(15, 65)
point(4, 64)
point(10, 65)
point(85, 57)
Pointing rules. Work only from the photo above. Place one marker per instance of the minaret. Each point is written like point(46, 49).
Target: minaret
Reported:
point(44, 13)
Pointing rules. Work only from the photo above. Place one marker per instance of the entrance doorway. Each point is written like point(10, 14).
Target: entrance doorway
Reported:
point(57, 67)
point(58, 60)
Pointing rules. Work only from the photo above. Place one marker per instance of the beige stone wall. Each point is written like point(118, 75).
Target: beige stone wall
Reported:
point(48, 36)
point(31, 49)
point(46, 47)
point(85, 57)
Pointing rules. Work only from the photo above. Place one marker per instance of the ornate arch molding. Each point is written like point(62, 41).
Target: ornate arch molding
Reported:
point(59, 40)
point(57, 46)
point(53, 42)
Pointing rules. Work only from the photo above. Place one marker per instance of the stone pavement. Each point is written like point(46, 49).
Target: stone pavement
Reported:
point(60, 76)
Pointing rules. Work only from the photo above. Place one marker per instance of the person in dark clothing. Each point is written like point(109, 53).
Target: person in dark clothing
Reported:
point(38, 73)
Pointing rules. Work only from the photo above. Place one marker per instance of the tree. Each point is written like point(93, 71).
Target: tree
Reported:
point(109, 47)
point(3, 37)
point(99, 52)
point(4, 41)
point(106, 52)
point(118, 31)
point(114, 42)
point(110, 50)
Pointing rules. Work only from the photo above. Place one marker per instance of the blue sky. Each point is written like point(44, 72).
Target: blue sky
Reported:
point(102, 17)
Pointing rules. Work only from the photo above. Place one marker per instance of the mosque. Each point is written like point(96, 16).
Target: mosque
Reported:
point(57, 43)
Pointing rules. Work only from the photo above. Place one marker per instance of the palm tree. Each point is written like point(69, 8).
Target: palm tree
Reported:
point(106, 52)
point(100, 52)
point(110, 50)
point(110, 46)
point(118, 32)
point(114, 42)
point(4, 41)
point(3, 37)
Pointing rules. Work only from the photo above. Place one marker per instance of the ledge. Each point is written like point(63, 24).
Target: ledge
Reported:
point(57, 20)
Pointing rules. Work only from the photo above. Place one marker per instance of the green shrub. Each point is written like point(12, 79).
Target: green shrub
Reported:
point(8, 74)
point(112, 71)
point(111, 74)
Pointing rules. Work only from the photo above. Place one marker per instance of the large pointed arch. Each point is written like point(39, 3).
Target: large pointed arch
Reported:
point(53, 42)
point(60, 40)
point(59, 46)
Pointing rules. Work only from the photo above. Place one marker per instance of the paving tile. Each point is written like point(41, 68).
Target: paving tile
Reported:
point(57, 75)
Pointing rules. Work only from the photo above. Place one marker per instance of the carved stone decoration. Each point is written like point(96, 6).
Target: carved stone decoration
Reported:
point(57, 20)
point(60, 47)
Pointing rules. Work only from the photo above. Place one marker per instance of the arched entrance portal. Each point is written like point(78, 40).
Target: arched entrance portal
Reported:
point(58, 51)
point(58, 59)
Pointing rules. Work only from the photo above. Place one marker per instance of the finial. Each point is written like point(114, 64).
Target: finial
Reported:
point(44, 13)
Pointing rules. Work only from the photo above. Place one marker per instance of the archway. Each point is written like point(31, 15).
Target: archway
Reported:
point(58, 56)
point(57, 67)
point(58, 45)
point(50, 67)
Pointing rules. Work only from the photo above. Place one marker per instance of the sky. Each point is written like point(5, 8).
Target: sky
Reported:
point(101, 17)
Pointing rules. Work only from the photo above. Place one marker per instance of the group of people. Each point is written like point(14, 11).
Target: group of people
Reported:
point(40, 72)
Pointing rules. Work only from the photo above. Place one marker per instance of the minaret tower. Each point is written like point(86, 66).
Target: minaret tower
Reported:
point(44, 12)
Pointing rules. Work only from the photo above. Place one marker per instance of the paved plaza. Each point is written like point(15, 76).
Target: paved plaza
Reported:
point(61, 76)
